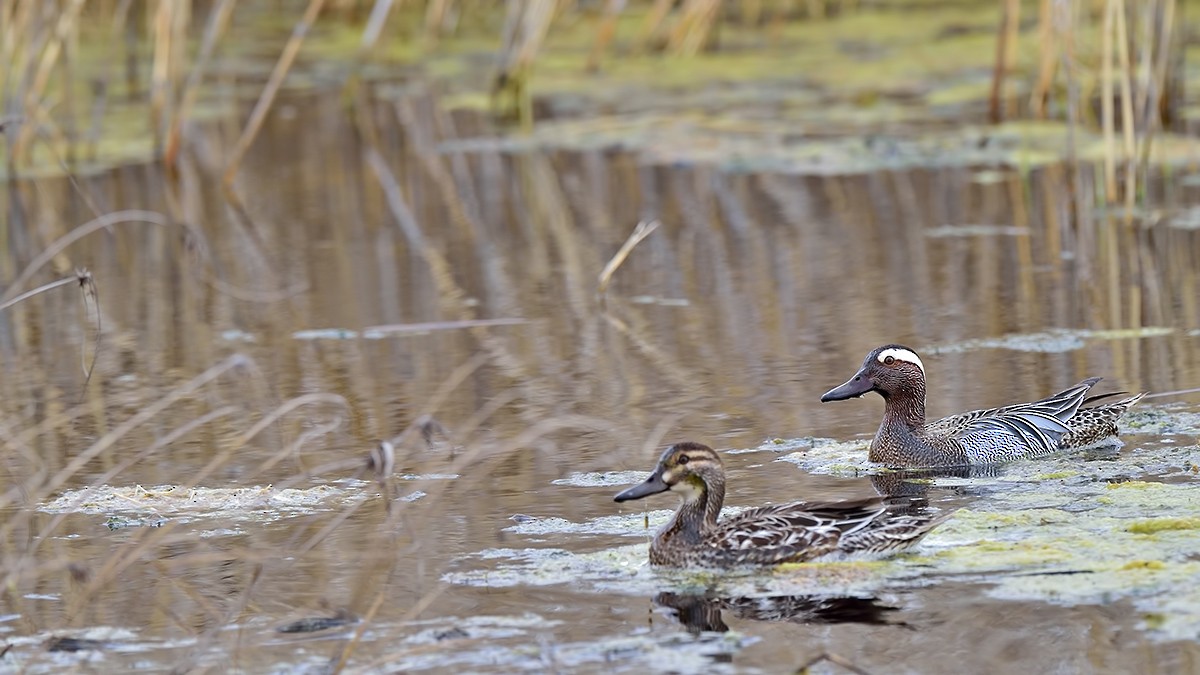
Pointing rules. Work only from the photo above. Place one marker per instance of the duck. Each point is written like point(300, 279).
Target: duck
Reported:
point(978, 437)
point(798, 531)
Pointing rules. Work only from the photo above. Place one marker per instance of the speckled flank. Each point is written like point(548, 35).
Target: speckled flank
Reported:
point(769, 535)
point(1023, 430)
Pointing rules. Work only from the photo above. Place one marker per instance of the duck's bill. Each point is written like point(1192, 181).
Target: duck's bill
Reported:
point(651, 486)
point(856, 386)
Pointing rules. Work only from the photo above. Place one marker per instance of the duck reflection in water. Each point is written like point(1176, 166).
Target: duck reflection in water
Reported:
point(703, 613)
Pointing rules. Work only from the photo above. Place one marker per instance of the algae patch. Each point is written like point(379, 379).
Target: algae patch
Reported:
point(1163, 524)
point(127, 506)
point(827, 456)
point(601, 478)
point(1051, 341)
point(631, 524)
point(1098, 547)
point(526, 643)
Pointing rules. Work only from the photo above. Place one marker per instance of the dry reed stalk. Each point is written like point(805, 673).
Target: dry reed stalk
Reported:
point(1047, 63)
point(652, 26)
point(1107, 91)
point(665, 363)
point(1127, 121)
point(375, 23)
point(751, 12)
point(77, 278)
point(605, 33)
point(160, 67)
point(267, 98)
point(101, 86)
point(644, 229)
point(1006, 37)
point(526, 24)
point(471, 459)
point(232, 363)
point(695, 27)
point(436, 13)
point(450, 295)
point(64, 27)
point(104, 221)
point(218, 21)
point(1154, 107)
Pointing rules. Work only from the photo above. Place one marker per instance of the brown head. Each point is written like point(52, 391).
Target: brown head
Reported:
point(691, 469)
point(890, 370)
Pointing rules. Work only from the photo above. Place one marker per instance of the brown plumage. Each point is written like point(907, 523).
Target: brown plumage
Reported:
point(1022, 430)
point(768, 535)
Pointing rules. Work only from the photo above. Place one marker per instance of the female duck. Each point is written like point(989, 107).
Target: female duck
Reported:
point(768, 535)
point(1016, 431)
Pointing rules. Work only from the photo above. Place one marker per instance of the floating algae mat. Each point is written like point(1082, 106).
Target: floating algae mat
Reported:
point(511, 642)
point(1051, 341)
point(178, 503)
point(1083, 543)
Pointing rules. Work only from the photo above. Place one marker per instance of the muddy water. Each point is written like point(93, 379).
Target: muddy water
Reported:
point(377, 261)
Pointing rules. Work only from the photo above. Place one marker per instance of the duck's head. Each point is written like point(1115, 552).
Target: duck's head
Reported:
point(686, 468)
point(889, 370)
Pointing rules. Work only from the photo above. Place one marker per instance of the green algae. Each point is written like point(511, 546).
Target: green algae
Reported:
point(1164, 524)
point(1055, 475)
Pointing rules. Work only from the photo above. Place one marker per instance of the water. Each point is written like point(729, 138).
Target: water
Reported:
point(760, 291)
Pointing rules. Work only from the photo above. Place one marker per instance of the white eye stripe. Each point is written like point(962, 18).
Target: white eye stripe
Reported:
point(901, 355)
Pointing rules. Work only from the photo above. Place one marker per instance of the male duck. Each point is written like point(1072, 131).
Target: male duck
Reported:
point(768, 535)
point(1035, 429)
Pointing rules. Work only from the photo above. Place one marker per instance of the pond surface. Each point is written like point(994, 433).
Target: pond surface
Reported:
point(396, 259)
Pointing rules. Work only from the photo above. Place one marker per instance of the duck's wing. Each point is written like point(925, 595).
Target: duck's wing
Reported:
point(1039, 424)
point(792, 532)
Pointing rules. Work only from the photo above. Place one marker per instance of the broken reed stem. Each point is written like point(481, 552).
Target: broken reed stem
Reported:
point(644, 229)
point(74, 279)
point(102, 222)
point(267, 98)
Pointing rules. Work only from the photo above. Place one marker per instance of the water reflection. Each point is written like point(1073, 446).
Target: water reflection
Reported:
point(757, 289)
point(703, 613)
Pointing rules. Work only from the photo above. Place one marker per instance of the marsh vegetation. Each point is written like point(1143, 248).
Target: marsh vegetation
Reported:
point(246, 242)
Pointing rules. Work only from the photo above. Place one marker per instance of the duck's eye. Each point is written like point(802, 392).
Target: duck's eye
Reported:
point(889, 360)
point(683, 459)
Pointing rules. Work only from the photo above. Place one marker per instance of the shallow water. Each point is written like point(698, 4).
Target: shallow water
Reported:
point(402, 260)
